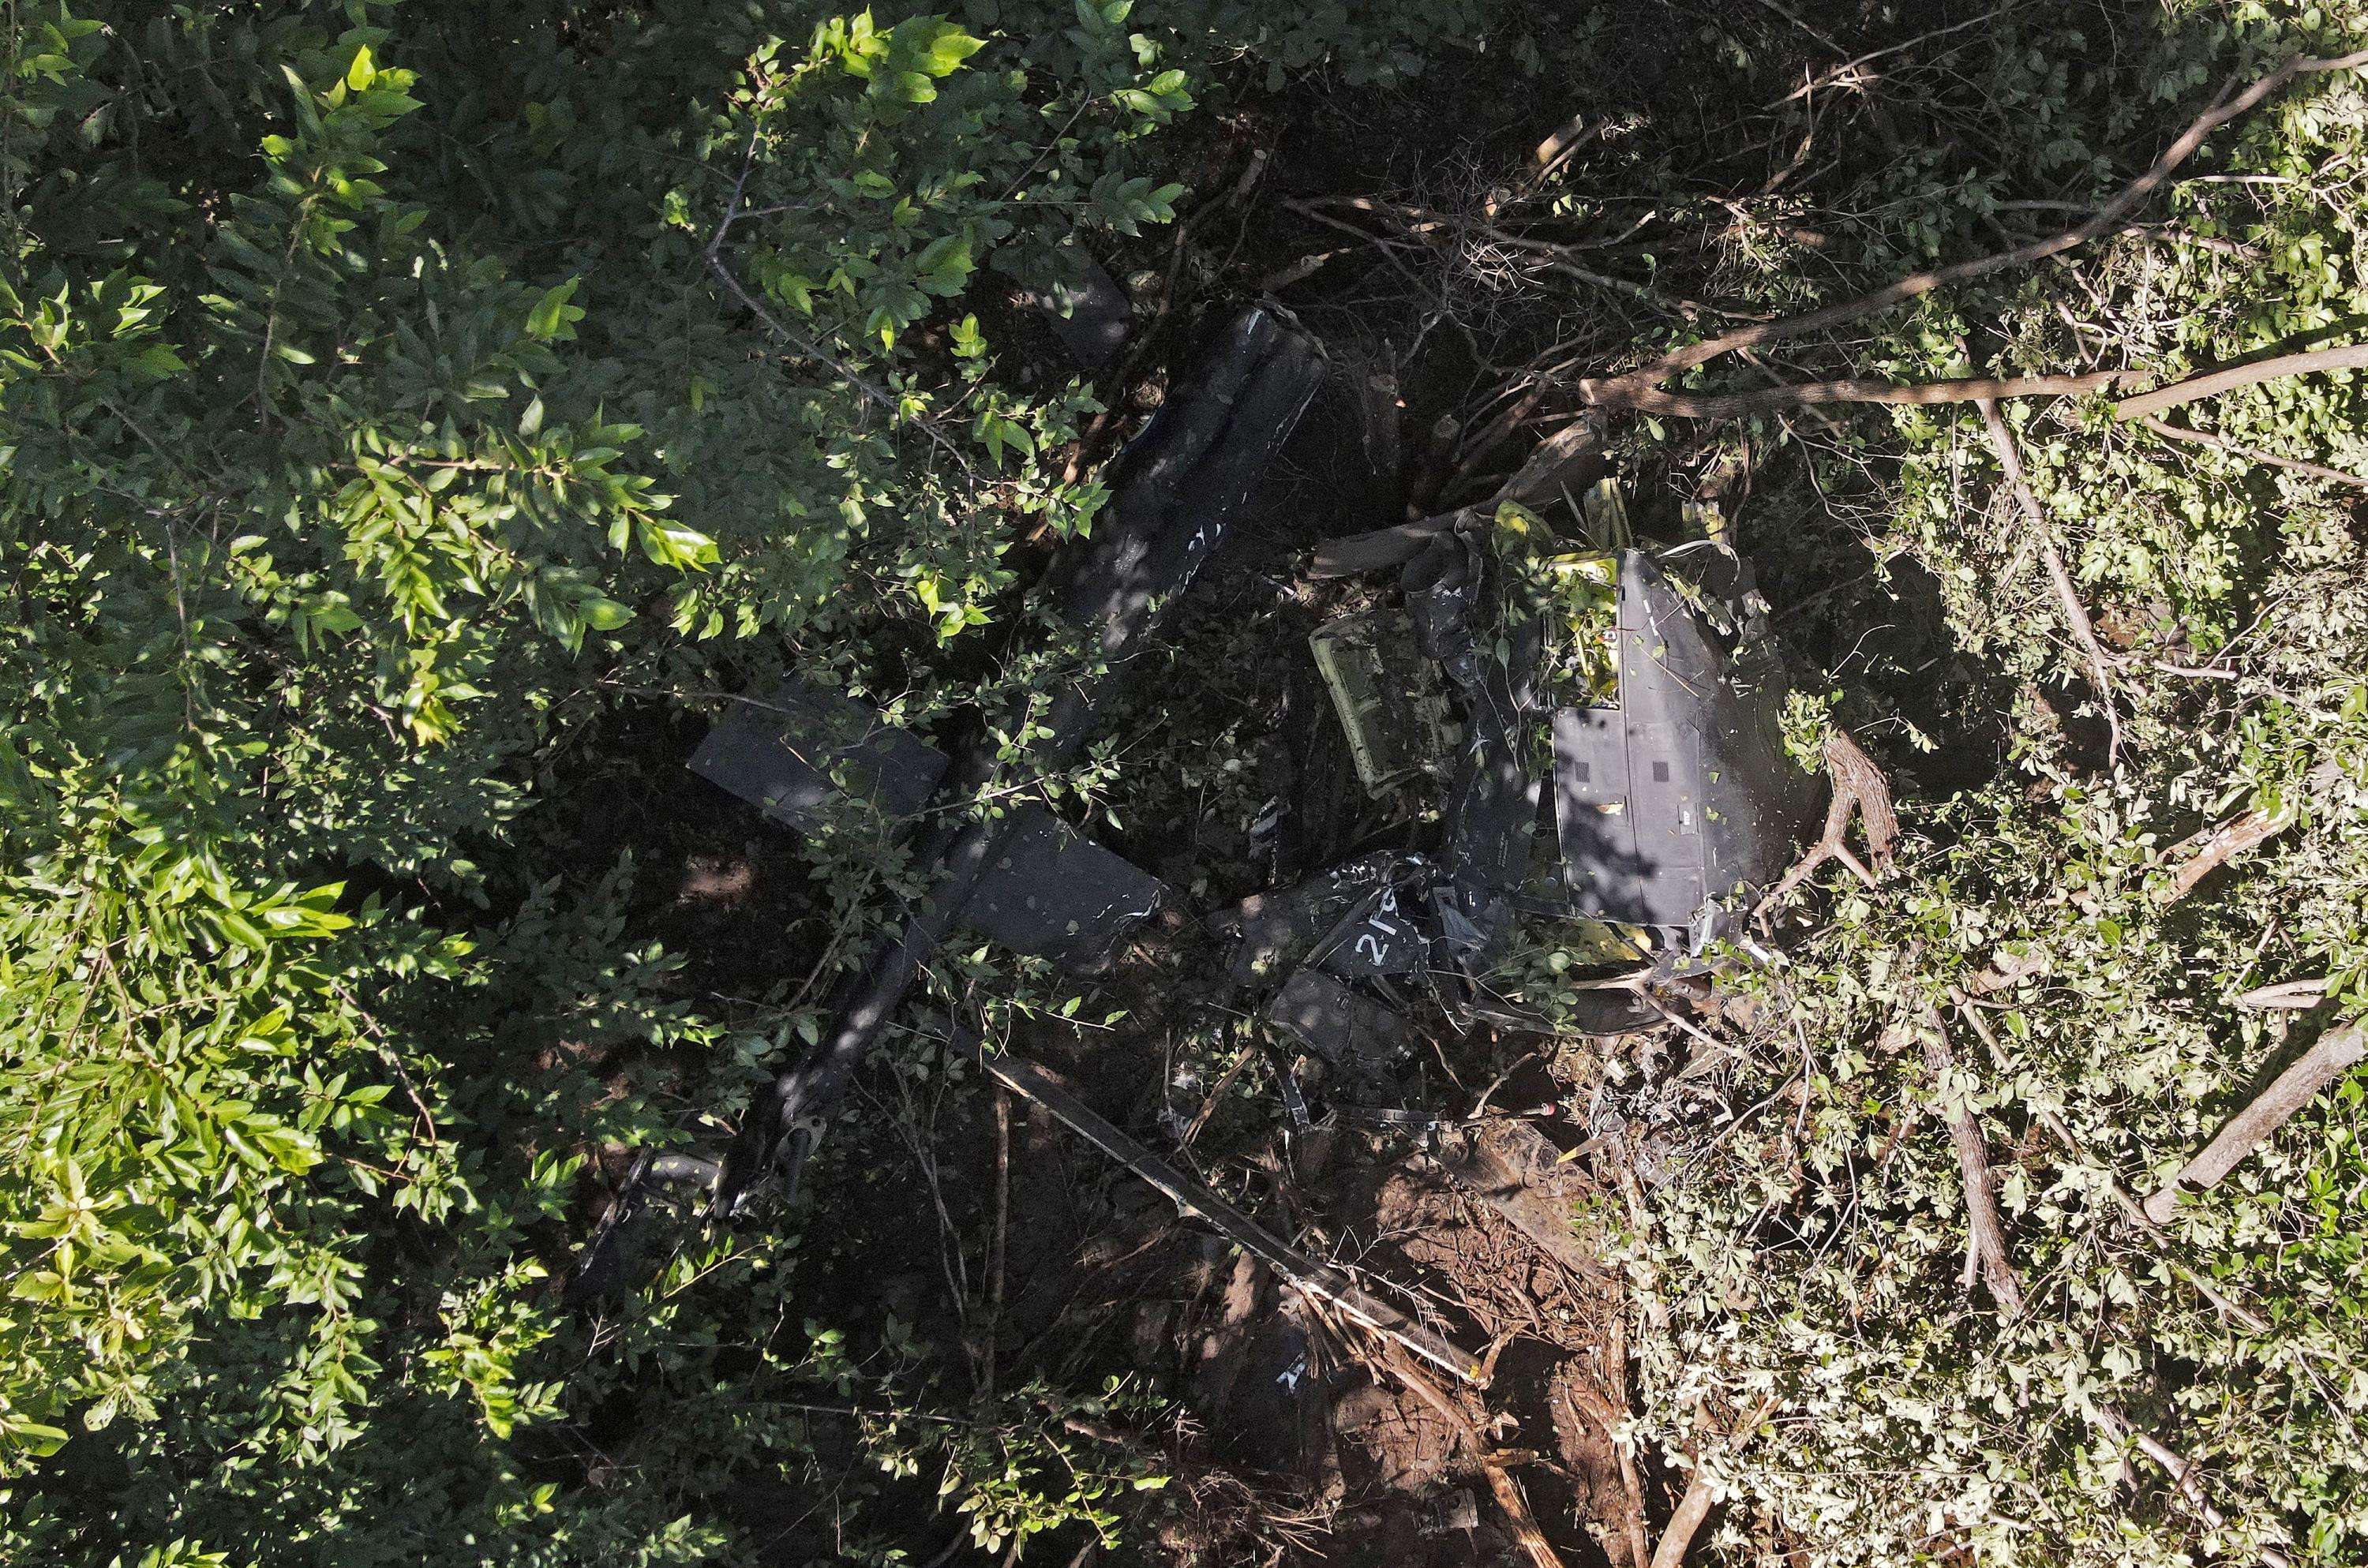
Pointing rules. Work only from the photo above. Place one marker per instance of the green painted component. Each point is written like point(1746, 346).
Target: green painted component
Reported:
point(1387, 695)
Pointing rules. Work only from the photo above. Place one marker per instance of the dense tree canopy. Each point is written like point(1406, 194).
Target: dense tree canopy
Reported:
point(383, 390)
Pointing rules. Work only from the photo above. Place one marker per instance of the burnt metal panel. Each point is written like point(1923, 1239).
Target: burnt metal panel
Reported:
point(779, 753)
point(1179, 484)
point(1591, 816)
point(1274, 931)
point(1335, 1023)
point(1049, 891)
point(1382, 937)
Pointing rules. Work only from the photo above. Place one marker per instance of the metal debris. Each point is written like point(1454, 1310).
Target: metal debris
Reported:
point(790, 752)
point(1337, 1024)
point(1676, 808)
point(1174, 492)
point(1050, 891)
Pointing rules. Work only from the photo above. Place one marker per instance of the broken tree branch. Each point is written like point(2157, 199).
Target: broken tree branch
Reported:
point(1612, 1414)
point(1301, 1272)
point(2229, 1310)
point(2249, 829)
point(1693, 1509)
point(1734, 406)
point(2084, 633)
point(1861, 789)
point(2351, 358)
point(2185, 1475)
point(2291, 995)
point(2213, 849)
point(2254, 454)
point(1533, 1542)
point(1985, 1250)
point(2337, 1051)
point(2100, 223)
point(1700, 1493)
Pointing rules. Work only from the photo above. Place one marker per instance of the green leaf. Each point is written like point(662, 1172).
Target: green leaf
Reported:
point(605, 615)
point(554, 318)
point(39, 1440)
point(672, 544)
point(947, 52)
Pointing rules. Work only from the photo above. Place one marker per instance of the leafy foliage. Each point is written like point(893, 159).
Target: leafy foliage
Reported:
point(385, 391)
point(1826, 1348)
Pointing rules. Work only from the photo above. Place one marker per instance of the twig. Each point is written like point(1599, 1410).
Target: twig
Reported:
point(2335, 1053)
point(1836, 76)
point(2352, 356)
point(998, 1250)
point(1046, 150)
point(2099, 676)
point(802, 344)
point(713, 258)
point(2100, 223)
point(1304, 1274)
point(1985, 1250)
point(393, 1058)
point(1282, 277)
point(2316, 471)
point(2287, 995)
point(1216, 1095)
point(1787, 14)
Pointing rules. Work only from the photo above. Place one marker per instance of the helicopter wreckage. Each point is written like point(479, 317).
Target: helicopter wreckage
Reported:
point(1589, 728)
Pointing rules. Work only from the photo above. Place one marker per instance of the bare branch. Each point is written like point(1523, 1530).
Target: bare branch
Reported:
point(2352, 356)
point(2335, 1053)
point(1985, 1249)
point(2100, 675)
point(1516, 1508)
point(2102, 222)
point(1735, 405)
point(2253, 454)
